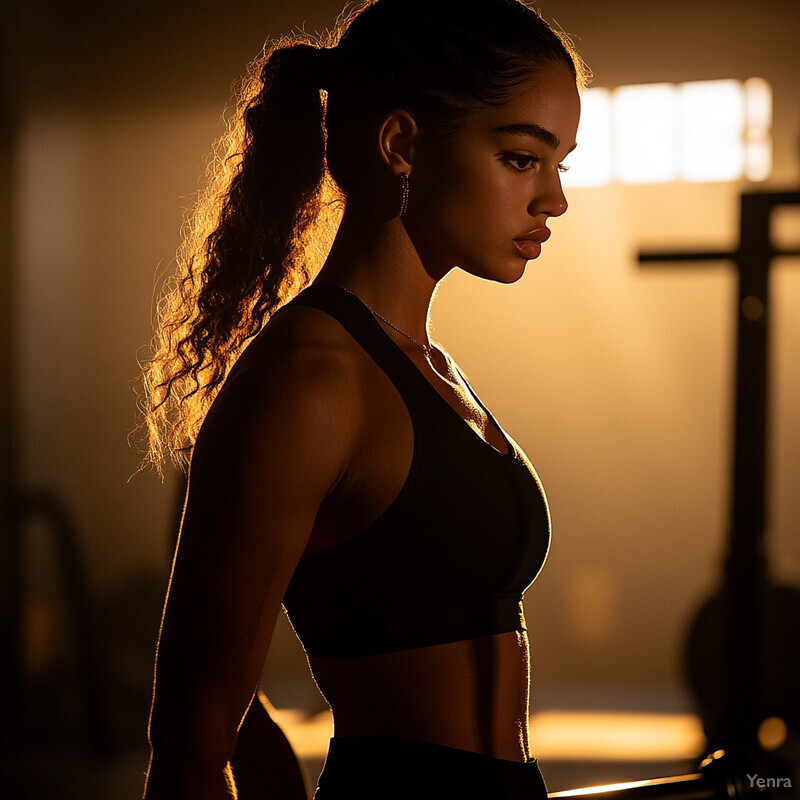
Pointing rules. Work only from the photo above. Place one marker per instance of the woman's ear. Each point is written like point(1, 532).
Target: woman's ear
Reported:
point(397, 134)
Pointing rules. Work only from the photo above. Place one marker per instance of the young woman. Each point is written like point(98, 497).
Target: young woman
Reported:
point(346, 469)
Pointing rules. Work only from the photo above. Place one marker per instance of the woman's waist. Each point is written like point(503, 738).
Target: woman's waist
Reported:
point(471, 694)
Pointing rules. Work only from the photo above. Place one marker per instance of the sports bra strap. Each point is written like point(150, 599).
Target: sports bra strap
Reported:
point(360, 323)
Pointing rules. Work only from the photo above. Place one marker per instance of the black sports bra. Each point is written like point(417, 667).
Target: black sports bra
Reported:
point(449, 559)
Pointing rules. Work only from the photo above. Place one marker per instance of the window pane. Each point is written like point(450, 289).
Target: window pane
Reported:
point(712, 116)
point(645, 127)
point(758, 110)
point(590, 163)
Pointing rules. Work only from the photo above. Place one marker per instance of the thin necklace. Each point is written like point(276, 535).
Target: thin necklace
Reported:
point(426, 348)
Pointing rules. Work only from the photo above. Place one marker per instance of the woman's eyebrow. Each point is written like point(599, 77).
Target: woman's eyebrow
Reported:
point(535, 131)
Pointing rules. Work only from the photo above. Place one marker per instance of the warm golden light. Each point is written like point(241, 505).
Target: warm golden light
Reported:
point(712, 117)
point(615, 736)
point(772, 733)
point(758, 121)
point(592, 603)
point(309, 735)
point(699, 131)
point(590, 163)
point(555, 735)
point(646, 133)
point(615, 787)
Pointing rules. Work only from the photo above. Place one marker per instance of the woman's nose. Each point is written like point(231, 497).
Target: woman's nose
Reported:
point(550, 200)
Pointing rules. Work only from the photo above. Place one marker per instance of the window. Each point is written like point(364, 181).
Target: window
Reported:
point(657, 133)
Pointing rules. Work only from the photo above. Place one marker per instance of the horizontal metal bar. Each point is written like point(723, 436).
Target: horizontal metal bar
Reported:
point(776, 198)
point(708, 255)
point(695, 786)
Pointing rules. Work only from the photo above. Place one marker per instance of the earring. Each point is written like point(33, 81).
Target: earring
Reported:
point(404, 190)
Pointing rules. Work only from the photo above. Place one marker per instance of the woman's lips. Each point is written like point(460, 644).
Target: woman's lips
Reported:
point(528, 248)
point(530, 245)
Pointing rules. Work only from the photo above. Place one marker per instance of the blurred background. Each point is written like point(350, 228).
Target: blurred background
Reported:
point(616, 379)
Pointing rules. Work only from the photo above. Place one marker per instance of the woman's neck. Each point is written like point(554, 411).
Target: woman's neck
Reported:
point(378, 261)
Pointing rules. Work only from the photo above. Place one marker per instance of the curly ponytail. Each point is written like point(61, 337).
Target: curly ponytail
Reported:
point(248, 244)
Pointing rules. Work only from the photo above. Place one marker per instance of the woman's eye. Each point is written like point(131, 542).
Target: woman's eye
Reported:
point(519, 161)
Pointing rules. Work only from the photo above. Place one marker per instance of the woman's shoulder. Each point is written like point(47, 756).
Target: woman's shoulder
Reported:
point(302, 369)
point(300, 343)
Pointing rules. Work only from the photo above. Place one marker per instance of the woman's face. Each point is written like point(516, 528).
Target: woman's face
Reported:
point(481, 199)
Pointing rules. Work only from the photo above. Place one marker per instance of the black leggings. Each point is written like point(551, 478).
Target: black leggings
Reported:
point(390, 769)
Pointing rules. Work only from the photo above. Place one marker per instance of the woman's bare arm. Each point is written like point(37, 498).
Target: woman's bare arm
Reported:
point(274, 445)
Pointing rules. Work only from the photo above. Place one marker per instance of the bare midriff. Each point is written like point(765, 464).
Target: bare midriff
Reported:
point(471, 695)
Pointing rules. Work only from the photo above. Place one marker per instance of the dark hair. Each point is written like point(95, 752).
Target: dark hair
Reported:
point(307, 113)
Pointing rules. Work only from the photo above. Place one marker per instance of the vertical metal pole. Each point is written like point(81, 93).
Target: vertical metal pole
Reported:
point(746, 565)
